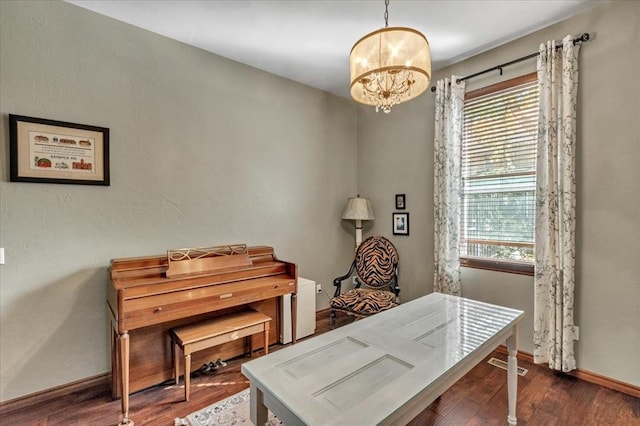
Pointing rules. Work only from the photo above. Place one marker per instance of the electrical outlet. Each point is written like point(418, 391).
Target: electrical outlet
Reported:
point(318, 288)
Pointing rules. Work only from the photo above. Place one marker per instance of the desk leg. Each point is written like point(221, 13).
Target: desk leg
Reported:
point(259, 412)
point(123, 346)
point(512, 375)
point(294, 316)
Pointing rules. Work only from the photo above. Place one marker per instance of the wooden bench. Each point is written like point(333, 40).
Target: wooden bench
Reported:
point(202, 335)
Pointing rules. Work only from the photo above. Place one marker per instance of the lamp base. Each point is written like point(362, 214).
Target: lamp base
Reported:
point(358, 233)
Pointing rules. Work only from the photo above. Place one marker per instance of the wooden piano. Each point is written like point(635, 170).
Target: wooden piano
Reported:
point(148, 296)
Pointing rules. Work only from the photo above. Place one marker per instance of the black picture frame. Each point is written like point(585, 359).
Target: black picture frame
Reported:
point(400, 223)
point(401, 203)
point(50, 151)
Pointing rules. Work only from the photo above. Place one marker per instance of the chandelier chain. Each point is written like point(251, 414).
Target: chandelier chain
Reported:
point(386, 13)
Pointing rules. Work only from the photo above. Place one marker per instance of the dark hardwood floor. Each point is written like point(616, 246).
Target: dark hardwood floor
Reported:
point(479, 398)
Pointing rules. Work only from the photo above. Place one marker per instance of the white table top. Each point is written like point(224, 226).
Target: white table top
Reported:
point(368, 371)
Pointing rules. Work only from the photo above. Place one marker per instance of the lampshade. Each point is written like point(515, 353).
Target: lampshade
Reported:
point(390, 66)
point(358, 209)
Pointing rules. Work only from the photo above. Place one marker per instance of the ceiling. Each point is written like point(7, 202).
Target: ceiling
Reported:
point(309, 41)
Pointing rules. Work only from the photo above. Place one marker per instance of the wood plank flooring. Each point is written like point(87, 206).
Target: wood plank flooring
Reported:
point(479, 398)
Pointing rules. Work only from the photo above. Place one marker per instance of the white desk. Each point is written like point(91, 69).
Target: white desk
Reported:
point(384, 369)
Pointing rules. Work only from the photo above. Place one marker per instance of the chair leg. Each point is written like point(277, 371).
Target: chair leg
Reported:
point(187, 375)
point(332, 319)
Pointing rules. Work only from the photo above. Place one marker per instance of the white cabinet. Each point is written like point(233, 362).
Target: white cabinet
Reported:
point(306, 312)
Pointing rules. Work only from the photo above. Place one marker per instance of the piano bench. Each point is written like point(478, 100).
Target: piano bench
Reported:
point(206, 334)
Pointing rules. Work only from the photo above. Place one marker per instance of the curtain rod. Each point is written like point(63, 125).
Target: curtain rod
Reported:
point(580, 39)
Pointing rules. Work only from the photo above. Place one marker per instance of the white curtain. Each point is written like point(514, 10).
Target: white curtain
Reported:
point(556, 206)
point(447, 184)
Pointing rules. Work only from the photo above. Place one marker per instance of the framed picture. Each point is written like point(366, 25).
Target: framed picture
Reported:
point(48, 151)
point(400, 202)
point(400, 223)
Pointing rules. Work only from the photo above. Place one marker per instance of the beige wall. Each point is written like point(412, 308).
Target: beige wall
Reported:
point(395, 155)
point(207, 151)
point(204, 151)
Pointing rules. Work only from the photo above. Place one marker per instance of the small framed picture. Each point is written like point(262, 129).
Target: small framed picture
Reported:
point(400, 202)
point(48, 151)
point(400, 223)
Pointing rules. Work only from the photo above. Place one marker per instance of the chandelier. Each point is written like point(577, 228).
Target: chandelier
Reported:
point(389, 66)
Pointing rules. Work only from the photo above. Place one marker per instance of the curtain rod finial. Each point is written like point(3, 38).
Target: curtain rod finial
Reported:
point(582, 38)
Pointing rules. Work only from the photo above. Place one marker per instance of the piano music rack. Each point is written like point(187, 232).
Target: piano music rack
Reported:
point(200, 260)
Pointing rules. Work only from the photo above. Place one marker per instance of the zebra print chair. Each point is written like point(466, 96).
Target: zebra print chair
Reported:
point(376, 267)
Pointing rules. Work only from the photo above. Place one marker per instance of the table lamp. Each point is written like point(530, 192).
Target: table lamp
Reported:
point(358, 209)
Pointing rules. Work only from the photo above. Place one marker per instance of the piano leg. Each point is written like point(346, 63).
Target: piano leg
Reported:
point(294, 316)
point(176, 362)
point(123, 347)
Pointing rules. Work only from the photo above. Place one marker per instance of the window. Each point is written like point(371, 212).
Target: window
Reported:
point(499, 176)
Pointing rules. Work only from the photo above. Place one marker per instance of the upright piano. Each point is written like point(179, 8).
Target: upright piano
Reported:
point(148, 296)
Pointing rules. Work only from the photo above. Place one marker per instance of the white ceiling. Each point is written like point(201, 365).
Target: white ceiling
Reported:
point(309, 41)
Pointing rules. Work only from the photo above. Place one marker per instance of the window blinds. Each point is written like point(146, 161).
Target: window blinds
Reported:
point(498, 173)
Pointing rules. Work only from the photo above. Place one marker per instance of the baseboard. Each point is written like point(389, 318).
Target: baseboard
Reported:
point(587, 376)
point(53, 393)
point(524, 356)
point(322, 314)
point(103, 379)
point(607, 382)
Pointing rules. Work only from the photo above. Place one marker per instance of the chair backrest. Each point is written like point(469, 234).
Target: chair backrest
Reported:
point(376, 262)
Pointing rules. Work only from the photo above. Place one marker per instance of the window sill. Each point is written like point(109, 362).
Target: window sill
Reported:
point(502, 265)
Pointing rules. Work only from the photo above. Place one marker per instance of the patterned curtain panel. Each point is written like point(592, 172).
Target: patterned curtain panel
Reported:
point(556, 206)
point(447, 184)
